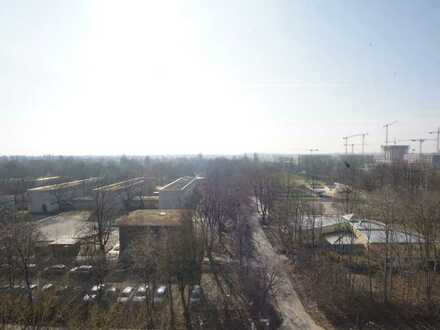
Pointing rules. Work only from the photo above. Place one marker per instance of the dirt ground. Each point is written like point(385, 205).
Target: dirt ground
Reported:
point(292, 311)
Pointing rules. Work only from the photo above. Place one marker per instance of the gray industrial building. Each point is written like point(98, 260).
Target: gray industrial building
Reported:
point(394, 153)
point(177, 194)
point(52, 198)
point(123, 194)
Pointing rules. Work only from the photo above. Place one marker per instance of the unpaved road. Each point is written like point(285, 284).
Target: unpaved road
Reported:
point(291, 309)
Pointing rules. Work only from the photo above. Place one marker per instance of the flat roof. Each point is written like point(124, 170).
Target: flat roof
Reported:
point(44, 178)
point(395, 146)
point(121, 184)
point(180, 183)
point(152, 218)
point(63, 185)
point(65, 226)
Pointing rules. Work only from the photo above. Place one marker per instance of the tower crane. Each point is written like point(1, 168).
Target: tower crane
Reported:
point(346, 141)
point(437, 132)
point(386, 130)
point(355, 144)
point(420, 141)
point(363, 141)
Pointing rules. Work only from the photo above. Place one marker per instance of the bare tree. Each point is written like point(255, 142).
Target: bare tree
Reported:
point(146, 254)
point(20, 240)
point(186, 266)
point(267, 189)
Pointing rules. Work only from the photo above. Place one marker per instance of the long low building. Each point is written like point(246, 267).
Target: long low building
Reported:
point(56, 197)
point(122, 194)
point(62, 233)
point(177, 194)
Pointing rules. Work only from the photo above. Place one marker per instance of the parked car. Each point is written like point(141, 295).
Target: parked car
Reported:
point(114, 252)
point(126, 295)
point(81, 270)
point(160, 294)
point(47, 287)
point(55, 269)
point(89, 298)
point(98, 288)
point(111, 293)
point(196, 295)
point(32, 268)
point(141, 294)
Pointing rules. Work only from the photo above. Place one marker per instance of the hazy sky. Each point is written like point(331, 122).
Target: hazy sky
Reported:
point(156, 77)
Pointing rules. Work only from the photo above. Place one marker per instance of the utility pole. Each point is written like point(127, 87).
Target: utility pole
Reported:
point(386, 130)
point(437, 132)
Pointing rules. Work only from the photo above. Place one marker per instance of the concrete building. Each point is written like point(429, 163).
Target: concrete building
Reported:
point(140, 223)
point(52, 198)
point(431, 160)
point(62, 233)
point(177, 194)
point(46, 181)
point(123, 194)
point(394, 153)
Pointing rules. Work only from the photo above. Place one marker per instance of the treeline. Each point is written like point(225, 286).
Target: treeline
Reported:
point(392, 278)
point(163, 169)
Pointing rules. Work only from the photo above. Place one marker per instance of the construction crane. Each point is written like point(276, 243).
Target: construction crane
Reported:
point(438, 138)
point(386, 130)
point(355, 144)
point(346, 141)
point(312, 150)
point(363, 141)
point(420, 141)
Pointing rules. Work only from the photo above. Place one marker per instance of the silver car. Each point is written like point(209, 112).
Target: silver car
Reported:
point(126, 295)
point(141, 294)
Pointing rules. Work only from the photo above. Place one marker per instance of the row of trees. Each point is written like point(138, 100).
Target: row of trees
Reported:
point(400, 269)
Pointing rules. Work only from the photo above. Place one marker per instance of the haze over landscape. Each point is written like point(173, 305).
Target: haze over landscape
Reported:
point(181, 77)
point(227, 165)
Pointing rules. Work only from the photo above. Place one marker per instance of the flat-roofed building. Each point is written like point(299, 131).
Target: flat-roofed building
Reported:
point(46, 181)
point(52, 198)
point(177, 194)
point(140, 223)
point(123, 194)
point(62, 233)
point(395, 153)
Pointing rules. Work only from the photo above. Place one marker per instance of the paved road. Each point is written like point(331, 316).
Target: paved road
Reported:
point(291, 309)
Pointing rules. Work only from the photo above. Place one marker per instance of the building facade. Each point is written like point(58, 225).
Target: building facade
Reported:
point(177, 194)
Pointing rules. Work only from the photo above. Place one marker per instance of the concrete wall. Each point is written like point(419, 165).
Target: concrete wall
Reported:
point(42, 202)
point(176, 199)
point(171, 199)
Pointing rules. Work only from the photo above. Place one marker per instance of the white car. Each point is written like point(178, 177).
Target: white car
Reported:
point(141, 294)
point(126, 295)
point(160, 294)
point(83, 269)
point(114, 252)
